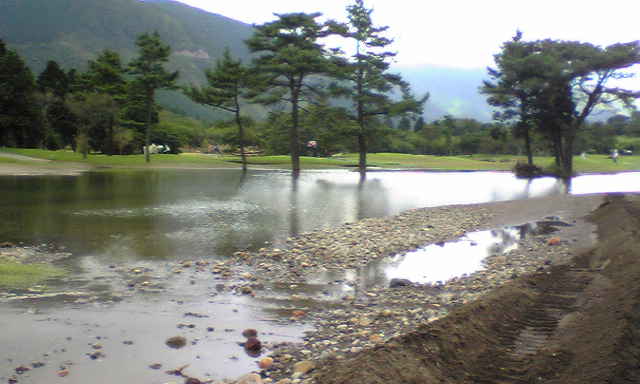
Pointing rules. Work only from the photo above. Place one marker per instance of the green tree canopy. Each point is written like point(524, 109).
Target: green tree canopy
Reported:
point(53, 79)
point(19, 121)
point(106, 74)
point(289, 55)
point(228, 83)
point(555, 85)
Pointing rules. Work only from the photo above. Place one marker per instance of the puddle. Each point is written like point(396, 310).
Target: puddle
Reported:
point(437, 263)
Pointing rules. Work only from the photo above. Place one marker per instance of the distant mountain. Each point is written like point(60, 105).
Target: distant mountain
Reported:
point(74, 31)
point(454, 91)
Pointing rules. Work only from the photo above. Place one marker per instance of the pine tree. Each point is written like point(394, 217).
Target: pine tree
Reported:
point(366, 80)
point(150, 75)
point(289, 55)
point(19, 121)
point(54, 80)
point(228, 83)
point(555, 85)
point(106, 74)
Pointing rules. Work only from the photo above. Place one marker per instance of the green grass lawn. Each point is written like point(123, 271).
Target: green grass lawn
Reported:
point(14, 275)
point(592, 163)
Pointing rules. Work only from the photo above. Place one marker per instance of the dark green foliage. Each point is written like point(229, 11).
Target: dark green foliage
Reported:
point(555, 85)
point(72, 32)
point(274, 133)
point(54, 80)
point(62, 125)
point(96, 115)
point(19, 118)
point(404, 124)
point(417, 126)
point(330, 127)
point(105, 74)
point(228, 83)
point(289, 55)
point(148, 70)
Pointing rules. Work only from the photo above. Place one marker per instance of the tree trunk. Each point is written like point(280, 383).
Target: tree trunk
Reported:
point(147, 133)
point(567, 153)
point(294, 146)
point(110, 150)
point(243, 156)
point(362, 136)
point(362, 148)
point(527, 146)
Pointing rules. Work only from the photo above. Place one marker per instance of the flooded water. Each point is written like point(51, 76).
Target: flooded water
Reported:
point(163, 215)
point(111, 222)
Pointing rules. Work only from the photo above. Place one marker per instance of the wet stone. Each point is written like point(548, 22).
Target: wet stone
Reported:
point(176, 342)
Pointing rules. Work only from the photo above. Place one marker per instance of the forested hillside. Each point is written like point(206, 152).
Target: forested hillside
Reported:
point(72, 32)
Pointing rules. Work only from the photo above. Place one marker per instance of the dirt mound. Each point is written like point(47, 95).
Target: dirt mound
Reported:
point(572, 323)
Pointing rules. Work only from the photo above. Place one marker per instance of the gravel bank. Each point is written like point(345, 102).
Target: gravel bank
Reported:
point(368, 318)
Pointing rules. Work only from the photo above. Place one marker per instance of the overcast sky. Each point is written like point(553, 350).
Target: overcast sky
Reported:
point(460, 33)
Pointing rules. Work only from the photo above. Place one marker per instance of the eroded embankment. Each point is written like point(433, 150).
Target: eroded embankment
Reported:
point(573, 323)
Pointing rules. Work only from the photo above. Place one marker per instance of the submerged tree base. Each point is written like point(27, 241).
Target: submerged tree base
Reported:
point(528, 171)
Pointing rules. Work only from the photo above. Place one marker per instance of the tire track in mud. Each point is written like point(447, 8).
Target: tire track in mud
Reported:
point(527, 335)
point(574, 323)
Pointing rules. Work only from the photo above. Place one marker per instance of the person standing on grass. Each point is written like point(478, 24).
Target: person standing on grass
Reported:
point(614, 155)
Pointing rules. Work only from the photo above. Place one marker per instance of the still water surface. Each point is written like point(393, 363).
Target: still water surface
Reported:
point(160, 215)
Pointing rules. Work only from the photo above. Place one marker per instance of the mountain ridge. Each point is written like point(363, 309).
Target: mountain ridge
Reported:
point(72, 32)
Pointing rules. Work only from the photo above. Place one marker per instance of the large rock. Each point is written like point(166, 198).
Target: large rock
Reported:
point(250, 333)
point(396, 283)
point(176, 342)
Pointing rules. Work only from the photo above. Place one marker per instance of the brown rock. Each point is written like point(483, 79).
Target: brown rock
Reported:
point(266, 363)
point(375, 338)
point(249, 333)
point(176, 342)
point(554, 241)
point(246, 290)
point(253, 345)
point(298, 313)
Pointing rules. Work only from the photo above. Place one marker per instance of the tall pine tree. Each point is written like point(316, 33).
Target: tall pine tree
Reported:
point(228, 83)
point(150, 75)
point(289, 55)
point(365, 78)
point(19, 121)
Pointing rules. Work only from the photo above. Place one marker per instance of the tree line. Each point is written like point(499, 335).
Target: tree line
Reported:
point(108, 108)
point(543, 92)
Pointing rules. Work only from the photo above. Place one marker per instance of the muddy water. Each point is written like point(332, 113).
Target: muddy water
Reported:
point(113, 222)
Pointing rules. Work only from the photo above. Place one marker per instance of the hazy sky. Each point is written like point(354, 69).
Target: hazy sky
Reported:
point(461, 33)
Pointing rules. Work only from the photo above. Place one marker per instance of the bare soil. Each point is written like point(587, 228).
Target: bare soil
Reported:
point(575, 322)
point(37, 167)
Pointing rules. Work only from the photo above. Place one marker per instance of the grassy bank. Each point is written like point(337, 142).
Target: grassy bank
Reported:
point(14, 275)
point(592, 163)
